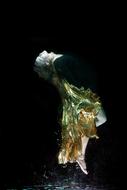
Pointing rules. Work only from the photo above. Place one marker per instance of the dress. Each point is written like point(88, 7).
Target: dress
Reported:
point(80, 109)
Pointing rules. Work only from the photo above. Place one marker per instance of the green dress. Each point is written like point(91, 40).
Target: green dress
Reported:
point(80, 108)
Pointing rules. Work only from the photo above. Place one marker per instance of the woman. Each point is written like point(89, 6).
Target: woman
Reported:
point(82, 111)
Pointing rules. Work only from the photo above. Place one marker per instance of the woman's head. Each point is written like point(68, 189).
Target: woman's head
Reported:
point(44, 64)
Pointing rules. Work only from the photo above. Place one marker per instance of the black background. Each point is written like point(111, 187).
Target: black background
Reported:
point(29, 109)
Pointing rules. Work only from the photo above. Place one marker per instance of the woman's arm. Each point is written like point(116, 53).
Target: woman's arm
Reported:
point(101, 118)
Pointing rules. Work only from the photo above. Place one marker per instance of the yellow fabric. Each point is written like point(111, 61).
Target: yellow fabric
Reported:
point(80, 108)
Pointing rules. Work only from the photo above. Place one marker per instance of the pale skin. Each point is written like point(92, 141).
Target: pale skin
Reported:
point(45, 59)
point(81, 158)
point(101, 118)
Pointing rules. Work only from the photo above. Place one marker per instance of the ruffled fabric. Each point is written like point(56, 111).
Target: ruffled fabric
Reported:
point(80, 108)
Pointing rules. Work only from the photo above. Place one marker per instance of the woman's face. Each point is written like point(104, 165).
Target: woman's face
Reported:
point(44, 58)
point(43, 64)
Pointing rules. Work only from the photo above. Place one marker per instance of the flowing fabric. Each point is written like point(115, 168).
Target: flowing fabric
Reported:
point(80, 108)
